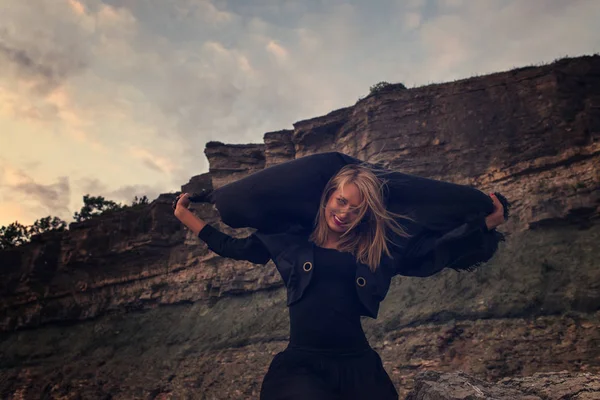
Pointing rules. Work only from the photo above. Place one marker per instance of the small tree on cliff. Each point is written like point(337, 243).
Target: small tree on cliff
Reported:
point(94, 205)
point(14, 234)
point(139, 201)
point(47, 224)
point(378, 86)
point(17, 234)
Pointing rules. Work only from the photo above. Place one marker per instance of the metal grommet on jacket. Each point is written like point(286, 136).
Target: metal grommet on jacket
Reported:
point(307, 266)
point(360, 281)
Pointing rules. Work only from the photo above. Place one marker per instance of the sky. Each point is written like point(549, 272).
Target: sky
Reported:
point(117, 98)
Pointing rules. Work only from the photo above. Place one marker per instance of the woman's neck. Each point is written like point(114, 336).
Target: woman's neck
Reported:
point(332, 240)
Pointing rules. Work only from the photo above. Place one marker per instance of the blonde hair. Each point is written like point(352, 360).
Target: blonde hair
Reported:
point(368, 236)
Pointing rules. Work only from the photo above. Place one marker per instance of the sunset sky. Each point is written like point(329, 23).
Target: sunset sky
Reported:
point(118, 97)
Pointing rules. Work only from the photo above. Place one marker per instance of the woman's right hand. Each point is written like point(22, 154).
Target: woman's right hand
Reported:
point(188, 218)
point(182, 201)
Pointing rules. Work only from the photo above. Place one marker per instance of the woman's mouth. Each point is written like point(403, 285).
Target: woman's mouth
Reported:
point(337, 221)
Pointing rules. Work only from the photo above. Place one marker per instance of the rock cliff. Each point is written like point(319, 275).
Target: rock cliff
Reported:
point(131, 305)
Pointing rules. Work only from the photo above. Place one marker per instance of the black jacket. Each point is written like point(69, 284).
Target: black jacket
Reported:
point(428, 253)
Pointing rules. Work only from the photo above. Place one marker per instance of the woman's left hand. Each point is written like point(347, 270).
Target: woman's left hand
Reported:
point(496, 218)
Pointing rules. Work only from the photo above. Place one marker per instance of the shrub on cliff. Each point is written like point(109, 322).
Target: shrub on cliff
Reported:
point(95, 205)
point(16, 234)
point(378, 87)
point(139, 201)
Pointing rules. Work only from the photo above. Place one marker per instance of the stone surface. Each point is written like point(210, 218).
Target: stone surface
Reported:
point(229, 163)
point(129, 260)
point(279, 147)
point(432, 385)
point(131, 305)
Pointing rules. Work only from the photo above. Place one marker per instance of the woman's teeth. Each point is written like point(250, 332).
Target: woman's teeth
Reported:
point(337, 219)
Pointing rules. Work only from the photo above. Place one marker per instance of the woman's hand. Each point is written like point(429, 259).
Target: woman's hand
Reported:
point(188, 218)
point(496, 218)
point(182, 201)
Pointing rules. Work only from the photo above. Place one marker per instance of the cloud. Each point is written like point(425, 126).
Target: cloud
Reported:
point(43, 71)
point(19, 188)
point(45, 57)
point(497, 35)
point(54, 197)
point(123, 194)
point(412, 20)
point(77, 7)
point(277, 50)
point(210, 13)
point(154, 161)
point(451, 3)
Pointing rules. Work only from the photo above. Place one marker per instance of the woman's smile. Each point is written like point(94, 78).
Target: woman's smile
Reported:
point(338, 221)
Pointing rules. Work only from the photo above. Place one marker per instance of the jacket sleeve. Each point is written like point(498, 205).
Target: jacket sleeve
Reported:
point(249, 248)
point(462, 248)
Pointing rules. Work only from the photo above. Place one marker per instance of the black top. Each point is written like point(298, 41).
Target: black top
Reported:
point(328, 314)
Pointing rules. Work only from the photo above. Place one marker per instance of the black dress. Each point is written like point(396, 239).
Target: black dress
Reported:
point(328, 356)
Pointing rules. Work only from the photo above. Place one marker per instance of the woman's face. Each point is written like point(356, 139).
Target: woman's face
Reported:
point(342, 209)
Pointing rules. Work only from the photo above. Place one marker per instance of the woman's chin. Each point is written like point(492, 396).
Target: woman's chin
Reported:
point(336, 228)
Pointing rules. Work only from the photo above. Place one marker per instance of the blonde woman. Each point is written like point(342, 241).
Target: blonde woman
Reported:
point(337, 271)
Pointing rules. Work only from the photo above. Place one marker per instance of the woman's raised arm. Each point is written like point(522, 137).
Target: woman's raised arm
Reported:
point(249, 248)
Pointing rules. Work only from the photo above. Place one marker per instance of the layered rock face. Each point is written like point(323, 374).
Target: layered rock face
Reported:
point(131, 305)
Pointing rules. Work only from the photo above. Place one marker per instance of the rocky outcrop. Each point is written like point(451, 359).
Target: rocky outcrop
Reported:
point(228, 163)
point(279, 147)
point(147, 290)
point(542, 386)
point(129, 260)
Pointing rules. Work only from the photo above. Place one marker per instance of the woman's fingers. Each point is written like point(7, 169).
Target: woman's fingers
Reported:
point(184, 200)
point(496, 217)
point(498, 208)
point(181, 200)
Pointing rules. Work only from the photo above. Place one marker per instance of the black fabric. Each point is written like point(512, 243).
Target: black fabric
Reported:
point(285, 194)
point(428, 253)
point(248, 248)
point(328, 315)
point(288, 194)
point(301, 374)
point(328, 356)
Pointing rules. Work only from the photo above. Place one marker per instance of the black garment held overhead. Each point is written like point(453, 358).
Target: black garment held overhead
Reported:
point(287, 194)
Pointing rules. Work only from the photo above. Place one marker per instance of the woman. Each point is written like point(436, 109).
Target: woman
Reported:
point(336, 272)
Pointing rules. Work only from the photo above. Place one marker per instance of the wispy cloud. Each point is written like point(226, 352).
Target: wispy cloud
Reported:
point(123, 194)
point(153, 161)
point(277, 50)
point(19, 191)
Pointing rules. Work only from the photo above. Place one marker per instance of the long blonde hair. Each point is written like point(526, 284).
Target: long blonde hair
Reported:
point(368, 236)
